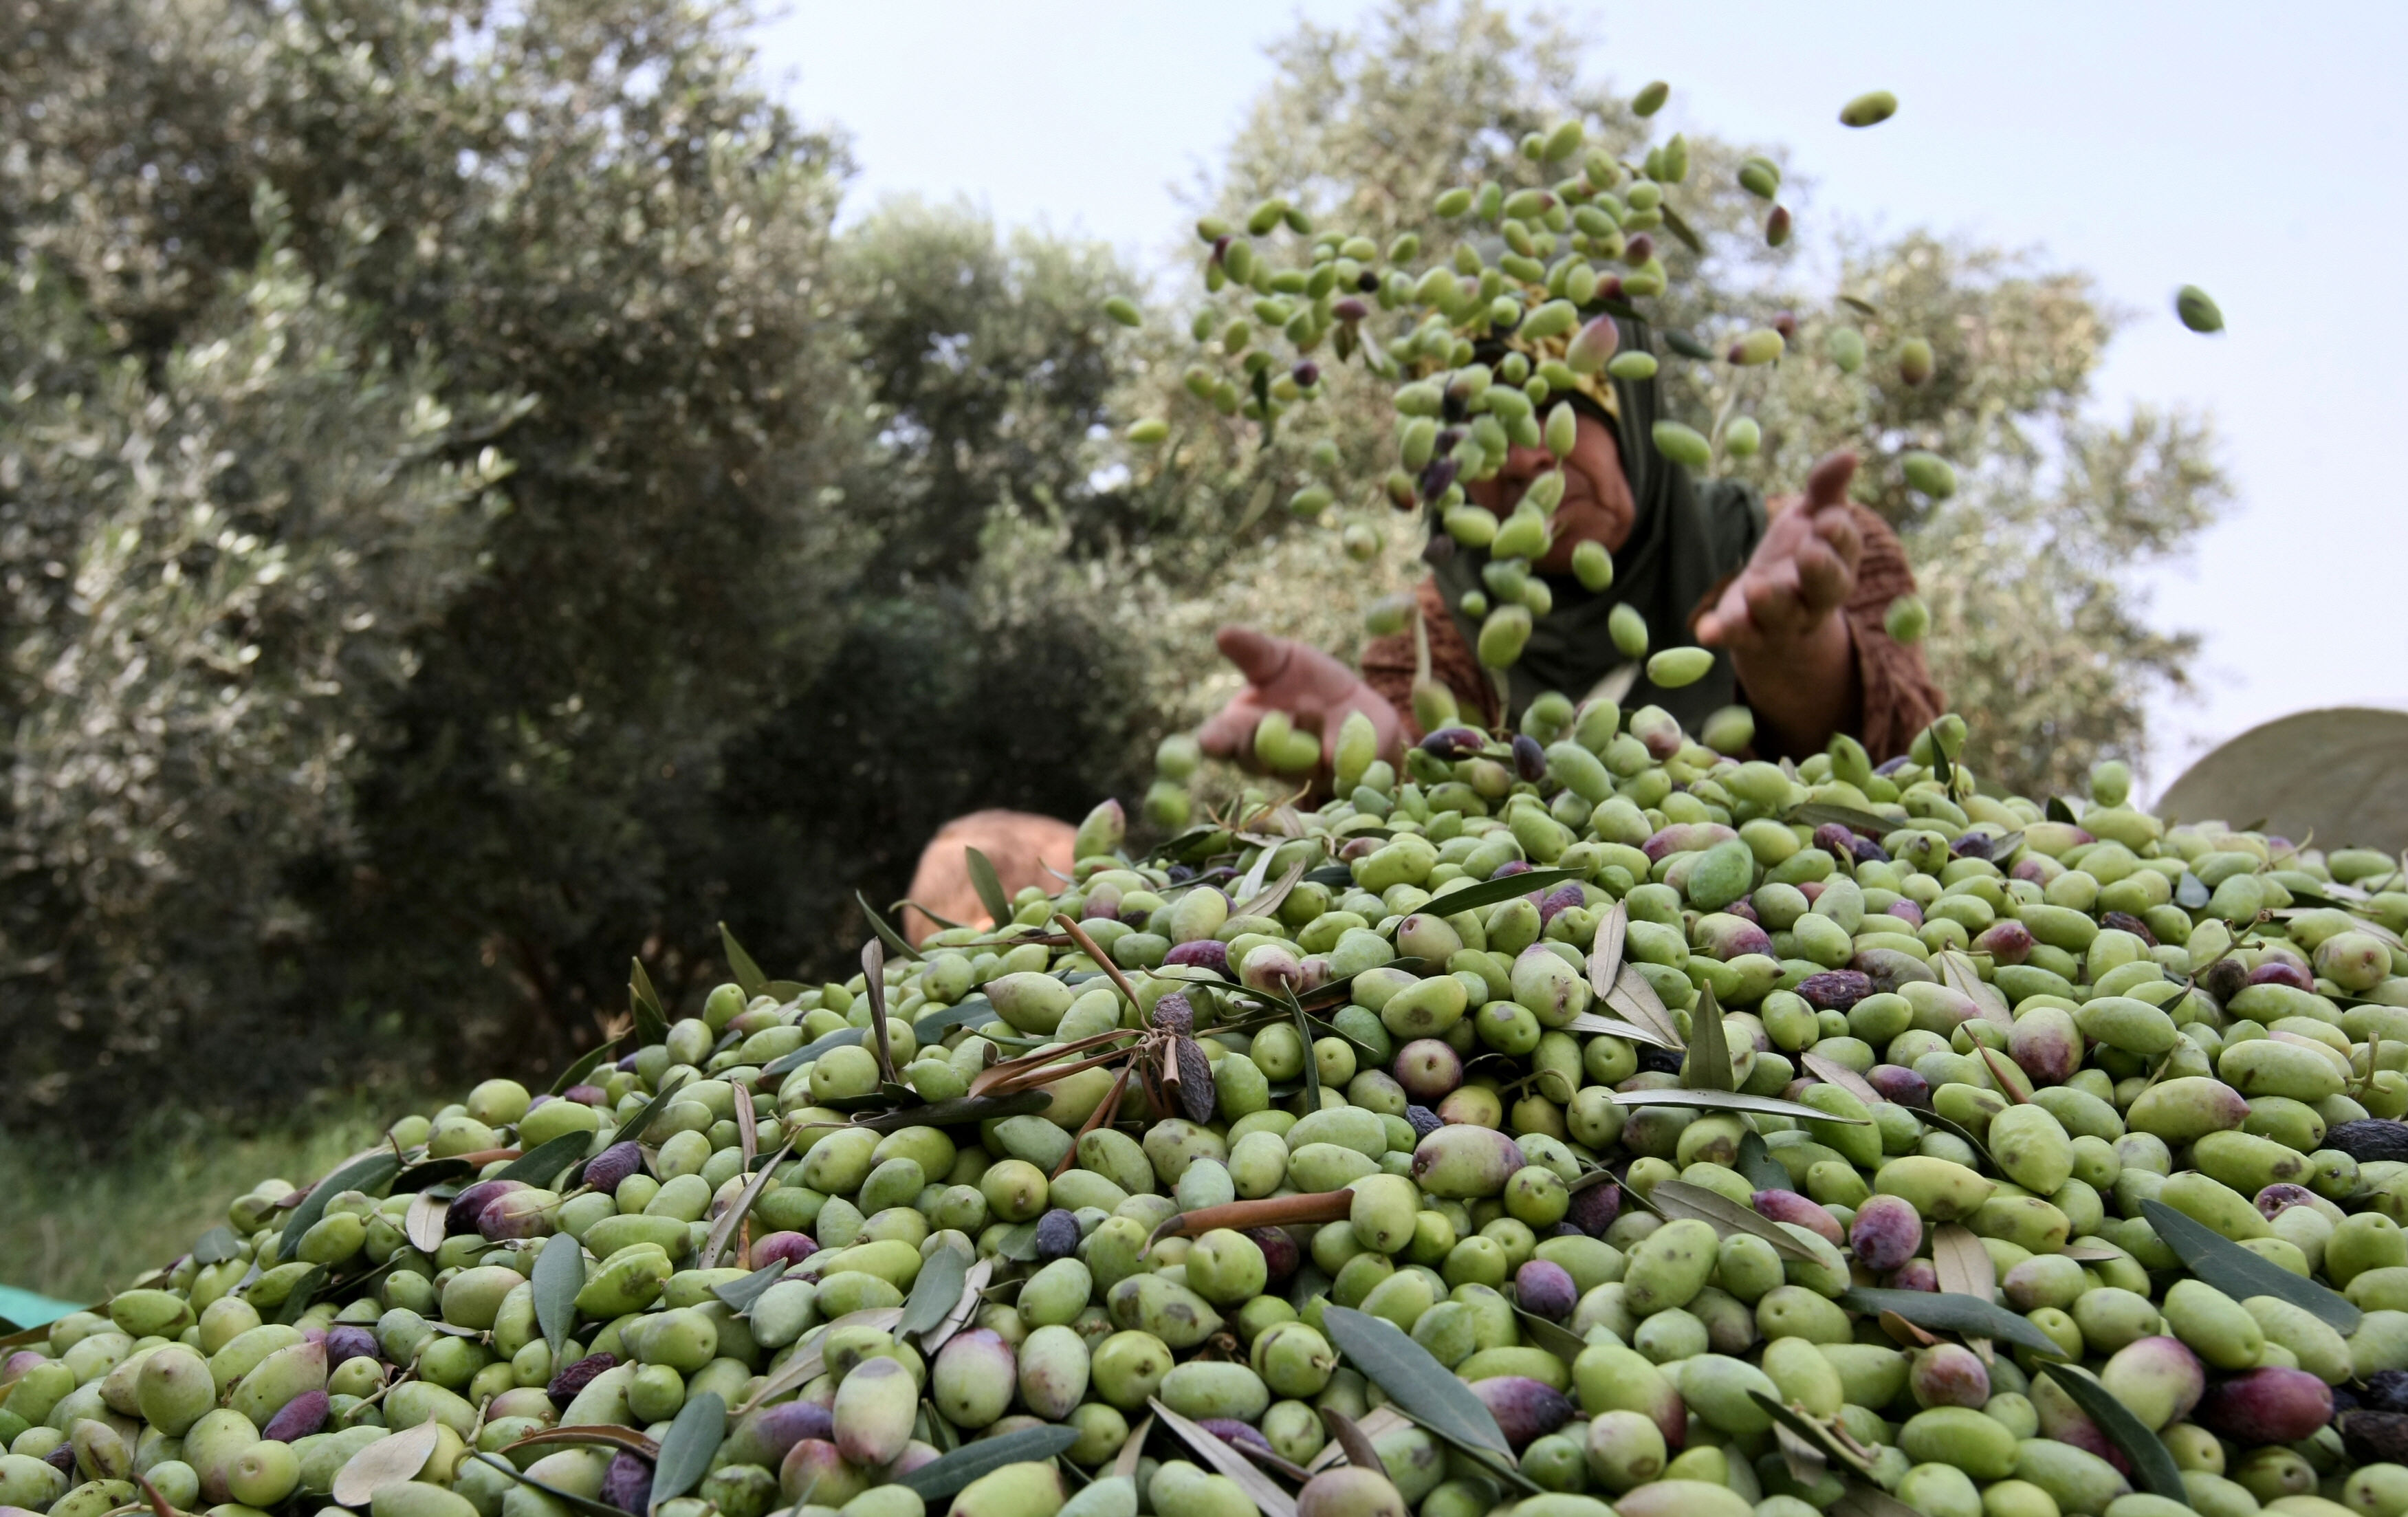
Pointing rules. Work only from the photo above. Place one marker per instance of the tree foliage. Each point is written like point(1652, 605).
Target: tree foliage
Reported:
point(466, 511)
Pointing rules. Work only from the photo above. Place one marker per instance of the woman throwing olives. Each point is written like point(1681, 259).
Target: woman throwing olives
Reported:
point(1790, 599)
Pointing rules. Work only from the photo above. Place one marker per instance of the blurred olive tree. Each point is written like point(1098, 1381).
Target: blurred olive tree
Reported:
point(442, 450)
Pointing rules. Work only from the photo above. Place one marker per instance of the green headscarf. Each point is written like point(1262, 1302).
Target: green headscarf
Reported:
point(1686, 539)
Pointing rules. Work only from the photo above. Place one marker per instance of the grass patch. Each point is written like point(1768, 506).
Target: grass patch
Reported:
point(75, 1227)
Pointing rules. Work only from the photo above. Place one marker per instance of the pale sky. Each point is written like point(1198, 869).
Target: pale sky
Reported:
point(2151, 144)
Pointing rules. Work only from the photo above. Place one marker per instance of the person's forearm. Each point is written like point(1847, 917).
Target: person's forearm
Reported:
point(1803, 691)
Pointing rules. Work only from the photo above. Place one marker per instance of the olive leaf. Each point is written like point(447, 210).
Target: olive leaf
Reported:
point(585, 1504)
point(948, 1473)
point(934, 1291)
point(1965, 1267)
point(1273, 899)
point(422, 1223)
point(1831, 1071)
point(1812, 1431)
point(1959, 972)
point(588, 1435)
point(1708, 1064)
point(1946, 1312)
point(541, 1164)
point(370, 1171)
point(1674, 338)
point(873, 981)
point(885, 931)
point(2241, 1274)
point(787, 1063)
point(1677, 1199)
point(1635, 998)
point(296, 1301)
point(559, 1274)
point(652, 1018)
point(1504, 887)
point(216, 1246)
point(1771, 1106)
point(388, 1460)
point(2191, 893)
point(723, 1232)
point(988, 884)
point(1414, 1379)
point(1557, 1339)
point(747, 974)
point(1589, 1022)
point(686, 1448)
point(1605, 954)
point(1349, 1436)
point(633, 1129)
point(1864, 1500)
point(958, 1315)
point(1761, 1170)
point(973, 1011)
point(739, 1294)
point(1822, 813)
point(2153, 1463)
point(1259, 1487)
point(958, 1111)
point(586, 1063)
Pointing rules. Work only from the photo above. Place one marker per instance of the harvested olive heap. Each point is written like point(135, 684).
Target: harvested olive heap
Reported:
point(1589, 1118)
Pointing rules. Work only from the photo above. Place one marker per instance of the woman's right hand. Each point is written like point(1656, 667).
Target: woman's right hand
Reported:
point(1317, 693)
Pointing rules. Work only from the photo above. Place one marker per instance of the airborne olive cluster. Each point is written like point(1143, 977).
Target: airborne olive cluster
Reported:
point(1486, 339)
point(1875, 1049)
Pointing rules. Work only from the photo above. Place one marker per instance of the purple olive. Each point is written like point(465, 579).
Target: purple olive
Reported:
point(1791, 1206)
point(1423, 1121)
point(1510, 868)
point(1899, 1085)
point(606, 1170)
point(1595, 1207)
point(1948, 1375)
point(1906, 912)
point(1057, 1235)
point(1745, 911)
point(781, 1427)
point(2273, 1405)
point(1835, 990)
point(1454, 743)
point(1281, 1256)
point(301, 1416)
point(1545, 1290)
point(468, 1207)
point(586, 1095)
point(2280, 1198)
point(1973, 845)
point(1524, 1408)
point(1349, 309)
point(628, 1483)
point(2127, 922)
point(1205, 953)
point(781, 1248)
point(1175, 1013)
point(1529, 759)
point(1230, 1430)
point(1886, 1233)
point(1915, 1275)
point(1640, 248)
point(1836, 840)
point(2008, 942)
point(2282, 972)
point(1433, 480)
point(345, 1343)
point(1305, 374)
point(1428, 1069)
point(1564, 897)
point(564, 1386)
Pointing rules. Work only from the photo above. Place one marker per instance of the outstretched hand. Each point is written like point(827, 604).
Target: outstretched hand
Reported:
point(1803, 570)
point(1317, 691)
